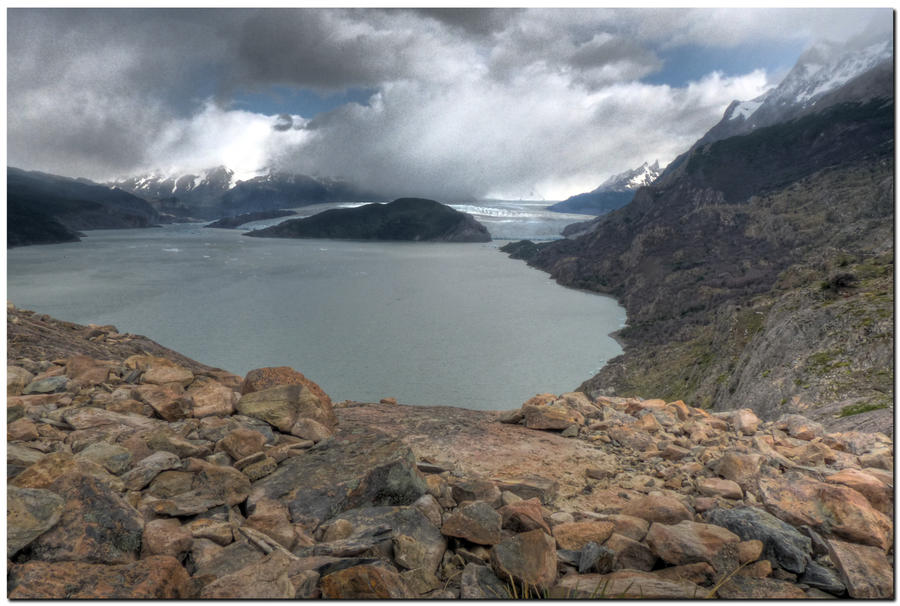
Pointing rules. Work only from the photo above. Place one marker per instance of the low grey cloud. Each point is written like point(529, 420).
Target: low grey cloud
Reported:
point(467, 102)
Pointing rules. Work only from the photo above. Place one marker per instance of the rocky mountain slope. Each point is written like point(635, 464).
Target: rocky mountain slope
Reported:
point(151, 476)
point(43, 208)
point(414, 219)
point(219, 192)
point(758, 270)
point(615, 192)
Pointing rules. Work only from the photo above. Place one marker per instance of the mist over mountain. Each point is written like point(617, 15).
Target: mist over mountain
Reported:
point(758, 269)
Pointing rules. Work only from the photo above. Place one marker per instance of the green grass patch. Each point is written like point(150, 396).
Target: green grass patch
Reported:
point(855, 409)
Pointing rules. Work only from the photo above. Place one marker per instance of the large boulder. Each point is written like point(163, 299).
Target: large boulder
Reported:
point(689, 542)
point(260, 379)
point(284, 405)
point(30, 512)
point(782, 543)
point(266, 579)
point(97, 525)
point(364, 582)
point(153, 578)
point(337, 475)
point(832, 509)
point(528, 559)
point(866, 571)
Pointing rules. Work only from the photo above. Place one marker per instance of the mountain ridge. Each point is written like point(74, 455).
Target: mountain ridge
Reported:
point(711, 259)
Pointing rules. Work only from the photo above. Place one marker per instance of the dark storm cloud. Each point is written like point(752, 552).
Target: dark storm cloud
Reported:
point(465, 102)
point(477, 21)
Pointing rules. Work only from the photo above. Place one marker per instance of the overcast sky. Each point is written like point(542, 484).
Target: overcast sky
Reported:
point(445, 103)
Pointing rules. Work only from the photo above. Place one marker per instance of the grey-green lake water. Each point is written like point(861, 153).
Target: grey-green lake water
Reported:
point(427, 323)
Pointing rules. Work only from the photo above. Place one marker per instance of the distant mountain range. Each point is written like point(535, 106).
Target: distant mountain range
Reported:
point(43, 208)
point(615, 192)
point(46, 209)
point(757, 270)
point(216, 192)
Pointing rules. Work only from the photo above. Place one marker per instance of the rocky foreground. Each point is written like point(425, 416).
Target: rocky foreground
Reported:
point(142, 475)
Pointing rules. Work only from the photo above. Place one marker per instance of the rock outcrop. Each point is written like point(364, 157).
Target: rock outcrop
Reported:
point(139, 477)
point(411, 219)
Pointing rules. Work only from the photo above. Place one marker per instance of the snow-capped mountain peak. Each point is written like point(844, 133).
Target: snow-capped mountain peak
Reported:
point(633, 179)
point(821, 69)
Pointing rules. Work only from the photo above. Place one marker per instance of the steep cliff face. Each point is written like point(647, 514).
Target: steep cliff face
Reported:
point(758, 271)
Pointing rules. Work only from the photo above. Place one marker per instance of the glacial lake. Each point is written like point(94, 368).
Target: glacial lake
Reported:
point(433, 324)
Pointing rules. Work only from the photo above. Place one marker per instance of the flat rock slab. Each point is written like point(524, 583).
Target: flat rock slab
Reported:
point(342, 474)
point(528, 558)
point(154, 578)
point(534, 463)
point(415, 537)
point(748, 588)
point(625, 584)
point(865, 570)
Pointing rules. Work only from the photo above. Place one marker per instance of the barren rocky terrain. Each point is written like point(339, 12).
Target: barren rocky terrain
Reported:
point(133, 472)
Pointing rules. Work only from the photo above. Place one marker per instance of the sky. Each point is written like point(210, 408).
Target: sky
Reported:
point(452, 104)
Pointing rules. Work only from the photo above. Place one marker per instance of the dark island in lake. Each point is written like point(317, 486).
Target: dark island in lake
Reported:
point(409, 219)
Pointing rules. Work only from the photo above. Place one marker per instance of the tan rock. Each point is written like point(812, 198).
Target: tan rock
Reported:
point(263, 378)
point(740, 468)
point(160, 371)
point(658, 508)
point(211, 398)
point(282, 406)
point(575, 535)
point(688, 542)
point(880, 459)
point(625, 584)
point(551, 416)
point(750, 551)
point(800, 427)
point(528, 558)
point(169, 403)
point(879, 495)
point(217, 531)
point(715, 487)
point(271, 517)
point(679, 409)
point(264, 580)
point(16, 380)
point(476, 522)
point(758, 570)
point(865, 570)
point(364, 582)
point(649, 423)
point(310, 429)
point(523, 515)
point(242, 442)
point(22, 430)
point(745, 421)
point(700, 573)
point(154, 578)
point(742, 587)
point(831, 509)
point(629, 526)
point(260, 469)
point(165, 537)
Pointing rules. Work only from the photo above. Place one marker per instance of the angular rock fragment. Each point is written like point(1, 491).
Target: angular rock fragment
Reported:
point(782, 543)
point(528, 559)
point(476, 522)
point(153, 578)
point(338, 476)
point(364, 582)
point(30, 512)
